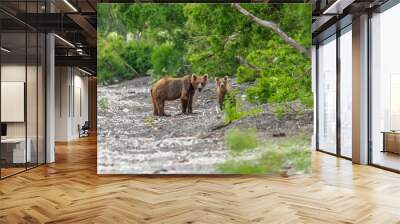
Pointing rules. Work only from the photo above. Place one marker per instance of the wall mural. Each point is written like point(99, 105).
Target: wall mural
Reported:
point(204, 88)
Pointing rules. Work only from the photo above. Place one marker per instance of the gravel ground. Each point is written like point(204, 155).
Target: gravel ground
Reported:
point(132, 141)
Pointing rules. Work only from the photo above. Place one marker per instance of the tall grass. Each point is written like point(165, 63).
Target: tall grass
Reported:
point(103, 104)
point(239, 141)
point(235, 111)
point(268, 156)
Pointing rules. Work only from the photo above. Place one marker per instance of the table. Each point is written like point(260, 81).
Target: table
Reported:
point(17, 150)
point(391, 141)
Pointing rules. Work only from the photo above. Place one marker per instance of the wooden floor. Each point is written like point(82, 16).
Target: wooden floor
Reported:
point(70, 191)
point(386, 159)
point(10, 171)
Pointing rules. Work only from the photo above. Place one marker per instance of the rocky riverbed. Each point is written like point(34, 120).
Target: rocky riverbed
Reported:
point(132, 141)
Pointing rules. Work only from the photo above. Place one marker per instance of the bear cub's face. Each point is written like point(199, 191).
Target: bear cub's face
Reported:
point(199, 82)
point(222, 83)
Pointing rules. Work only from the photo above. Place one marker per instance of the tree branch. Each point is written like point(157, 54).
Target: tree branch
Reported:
point(244, 62)
point(275, 28)
point(229, 38)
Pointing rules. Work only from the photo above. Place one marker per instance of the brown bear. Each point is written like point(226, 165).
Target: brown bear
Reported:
point(168, 88)
point(224, 90)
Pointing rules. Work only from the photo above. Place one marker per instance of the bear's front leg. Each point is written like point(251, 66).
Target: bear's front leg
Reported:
point(184, 105)
point(190, 109)
point(221, 101)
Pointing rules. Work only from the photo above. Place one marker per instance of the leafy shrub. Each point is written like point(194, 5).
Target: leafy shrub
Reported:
point(166, 60)
point(176, 39)
point(121, 60)
point(103, 103)
point(138, 55)
point(272, 157)
point(280, 111)
point(245, 74)
point(284, 75)
point(240, 140)
point(234, 110)
point(110, 65)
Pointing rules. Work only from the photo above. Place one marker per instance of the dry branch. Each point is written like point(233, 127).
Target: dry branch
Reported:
point(275, 28)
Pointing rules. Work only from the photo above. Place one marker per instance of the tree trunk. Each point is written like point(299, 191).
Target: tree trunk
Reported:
point(275, 28)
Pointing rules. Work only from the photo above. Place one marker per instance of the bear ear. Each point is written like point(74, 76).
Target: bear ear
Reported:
point(226, 78)
point(206, 77)
point(193, 77)
point(216, 79)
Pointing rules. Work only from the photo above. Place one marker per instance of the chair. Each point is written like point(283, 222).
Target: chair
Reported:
point(84, 130)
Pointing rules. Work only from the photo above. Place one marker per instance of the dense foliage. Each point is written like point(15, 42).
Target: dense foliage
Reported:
point(291, 154)
point(178, 39)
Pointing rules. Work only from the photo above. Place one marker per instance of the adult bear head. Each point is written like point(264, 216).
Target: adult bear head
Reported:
point(199, 82)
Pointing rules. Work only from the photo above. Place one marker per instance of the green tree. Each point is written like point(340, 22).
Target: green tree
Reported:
point(110, 65)
point(166, 60)
point(266, 44)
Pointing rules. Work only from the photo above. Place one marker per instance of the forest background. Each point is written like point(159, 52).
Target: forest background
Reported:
point(264, 44)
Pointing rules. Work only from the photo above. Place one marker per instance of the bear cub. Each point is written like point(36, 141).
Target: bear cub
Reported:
point(224, 90)
point(184, 88)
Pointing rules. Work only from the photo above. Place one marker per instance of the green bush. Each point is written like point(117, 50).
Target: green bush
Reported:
point(241, 167)
point(138, 55)
point(177, 39)
point(110, 65)
point(240, 140)
point(166, 60)
point(280, 111)
point(234, 110)
point(284, 75)
point(272, 157)
point(245, 74)
point(103, 104)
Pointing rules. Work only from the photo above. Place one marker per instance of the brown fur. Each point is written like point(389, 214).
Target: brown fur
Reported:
point(223, 89)
point(167, 89)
